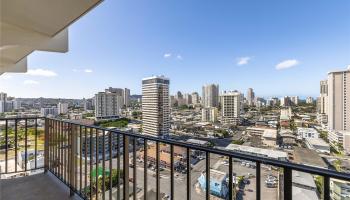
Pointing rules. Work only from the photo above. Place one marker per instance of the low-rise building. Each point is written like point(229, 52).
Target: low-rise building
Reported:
point(218, 184)
point(267, 135)
point(340, 140)
point(318, 145)
point(198, 142)
point(303, 186)
point(268, 153)
point(304, 133)
point(210, 114)
point(269, 138)
point(287, 139)
point(339, 189)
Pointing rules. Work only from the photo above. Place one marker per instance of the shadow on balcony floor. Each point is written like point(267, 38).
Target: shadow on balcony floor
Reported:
point(35, 187)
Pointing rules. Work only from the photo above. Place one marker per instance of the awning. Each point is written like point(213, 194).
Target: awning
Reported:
point(26, 26)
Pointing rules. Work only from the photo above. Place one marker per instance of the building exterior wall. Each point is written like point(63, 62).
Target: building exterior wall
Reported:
point(210, 95)
point(231, 107)
point(338, 100)
point(155, 105)
point(107, 104)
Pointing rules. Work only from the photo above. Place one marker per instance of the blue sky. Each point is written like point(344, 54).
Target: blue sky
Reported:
point(277, 47)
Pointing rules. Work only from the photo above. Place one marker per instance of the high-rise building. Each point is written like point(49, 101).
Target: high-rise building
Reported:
point(117, 91)
point(260, 102)
point(209, 114)
point(17, 104)
point(338, 100)
point(89, 104)
point(294, 100)
point(250, 96)
point(285, 101)
point(62, 108)
point(178, 95)
point(195, 98)
point(155, 105)
point(188, 99)
point(108, 103)
point(3, 98)
point(127, 97)
point(49, 111)
point(322, 103)
point(309, 100)
point(231, 107)
point(179, 98)
point(173, 101)
point(210, 95)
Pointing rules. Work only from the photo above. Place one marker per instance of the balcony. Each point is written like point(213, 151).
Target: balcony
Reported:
point(43, 158)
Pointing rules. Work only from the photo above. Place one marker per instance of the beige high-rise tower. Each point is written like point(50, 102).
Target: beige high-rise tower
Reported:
point(210, 95)
point(323, 99)
point(155, 105)
point(339, 100)
point(231, 107)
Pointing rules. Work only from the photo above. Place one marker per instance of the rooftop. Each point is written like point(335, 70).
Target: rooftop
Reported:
point(303, 179)
point(317, 141)
point(253, 150)
point(308, 157)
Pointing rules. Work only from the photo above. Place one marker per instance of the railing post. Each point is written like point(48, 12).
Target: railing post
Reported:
point(46, 146)
point(258, 181)
point(126, 167)
point(287, 183)
point(326, 193)
point(73, 158)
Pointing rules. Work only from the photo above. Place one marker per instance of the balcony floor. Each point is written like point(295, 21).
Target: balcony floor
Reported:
point(35, 187)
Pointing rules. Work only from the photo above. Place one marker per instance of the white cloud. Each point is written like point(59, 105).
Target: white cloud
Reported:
point(167, 55)
point(287, 64)
point(243, 60)
point(30, 82)
point(179, 57)
point(41, 72)
point(88, 70)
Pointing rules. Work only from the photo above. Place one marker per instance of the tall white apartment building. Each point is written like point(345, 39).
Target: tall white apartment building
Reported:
point(339, 100)
point(210, 95)
point(323, 99)
point(309, 100)
point(127, 97)
point(49, 111)
point(179, 98)
point(3, 98)
point(231, 106)
point(188, 99)
point(250, 96)
point(195, 98)
point(209, 114)
point(17, 104)
point(2, 106)
point(62, 108)
point(155, 105)
point(108, 103)
point(285, 101)
point(294, 100)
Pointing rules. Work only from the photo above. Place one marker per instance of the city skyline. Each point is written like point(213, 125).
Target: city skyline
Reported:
point(211, 45)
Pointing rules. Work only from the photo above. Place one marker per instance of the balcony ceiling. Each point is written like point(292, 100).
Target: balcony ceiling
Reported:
point(26, 26)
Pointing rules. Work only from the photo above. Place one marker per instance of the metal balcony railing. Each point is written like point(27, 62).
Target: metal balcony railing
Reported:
point(82, 157)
